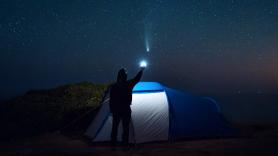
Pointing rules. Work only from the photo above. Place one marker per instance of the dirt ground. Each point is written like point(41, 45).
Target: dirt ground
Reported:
point(259, 141)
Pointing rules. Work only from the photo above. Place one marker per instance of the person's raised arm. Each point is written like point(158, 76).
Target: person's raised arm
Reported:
point(137, 78)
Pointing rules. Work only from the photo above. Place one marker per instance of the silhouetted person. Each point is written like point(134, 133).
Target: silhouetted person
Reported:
point(120, 101)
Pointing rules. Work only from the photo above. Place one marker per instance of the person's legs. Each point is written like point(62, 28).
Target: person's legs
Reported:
point(125, 122)
point(115, 125)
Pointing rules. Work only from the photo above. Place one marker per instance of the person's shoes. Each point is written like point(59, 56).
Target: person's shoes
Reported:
point(127, 147)
point(113, 146)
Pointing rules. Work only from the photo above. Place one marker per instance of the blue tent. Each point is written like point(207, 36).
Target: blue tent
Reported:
point(162, 113)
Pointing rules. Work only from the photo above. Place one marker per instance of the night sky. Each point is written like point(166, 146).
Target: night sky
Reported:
point(204, 46)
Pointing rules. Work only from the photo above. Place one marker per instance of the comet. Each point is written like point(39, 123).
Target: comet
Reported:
point(147, 44)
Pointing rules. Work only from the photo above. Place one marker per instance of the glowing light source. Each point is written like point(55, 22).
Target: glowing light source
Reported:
point(143, 64)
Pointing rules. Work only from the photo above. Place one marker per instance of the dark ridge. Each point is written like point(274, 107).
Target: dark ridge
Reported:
point(41, 111)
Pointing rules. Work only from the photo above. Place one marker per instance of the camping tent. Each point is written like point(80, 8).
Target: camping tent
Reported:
point(161, 113)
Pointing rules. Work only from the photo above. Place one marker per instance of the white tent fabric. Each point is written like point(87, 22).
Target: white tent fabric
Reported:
point(149, 119)
point(150, 116)
point(99, 120)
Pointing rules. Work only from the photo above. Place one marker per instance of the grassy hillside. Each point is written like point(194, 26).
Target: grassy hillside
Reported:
point(41, 111)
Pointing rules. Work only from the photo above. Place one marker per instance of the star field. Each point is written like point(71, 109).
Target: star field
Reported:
point(203, 46)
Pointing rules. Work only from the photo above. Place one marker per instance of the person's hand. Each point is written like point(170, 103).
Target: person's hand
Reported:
point(142, 68)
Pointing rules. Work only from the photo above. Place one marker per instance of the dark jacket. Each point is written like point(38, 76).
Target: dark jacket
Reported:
point(121, 94)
